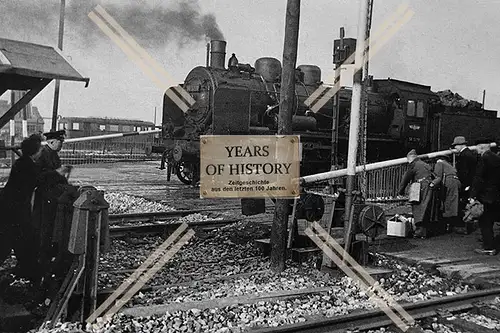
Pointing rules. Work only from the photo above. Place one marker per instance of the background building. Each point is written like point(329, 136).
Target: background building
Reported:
point(33, 117)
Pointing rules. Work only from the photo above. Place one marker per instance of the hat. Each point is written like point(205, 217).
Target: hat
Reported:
point(484, 141)
point(459, 140)
point(58, 135)
point(412, 153)
point(445, 158)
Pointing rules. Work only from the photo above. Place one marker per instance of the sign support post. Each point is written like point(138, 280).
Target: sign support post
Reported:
point(287, 99)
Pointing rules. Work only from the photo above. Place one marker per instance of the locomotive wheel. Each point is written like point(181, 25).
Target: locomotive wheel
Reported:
point(371, 220)
point(184, 172)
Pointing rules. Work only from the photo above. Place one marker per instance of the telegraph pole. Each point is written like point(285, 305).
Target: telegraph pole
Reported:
point(354, 121)
point(58, 83)
point(287, 99)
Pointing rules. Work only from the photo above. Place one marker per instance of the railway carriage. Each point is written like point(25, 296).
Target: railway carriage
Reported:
point(77, 127)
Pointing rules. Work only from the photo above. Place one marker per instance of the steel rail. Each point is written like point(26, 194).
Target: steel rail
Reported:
point(373, 319)
point(166, 228)
point(160, 215)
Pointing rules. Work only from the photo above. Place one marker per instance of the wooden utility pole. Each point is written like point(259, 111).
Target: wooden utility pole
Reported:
point(58, 83)
point(354, 121)
point(287, 99)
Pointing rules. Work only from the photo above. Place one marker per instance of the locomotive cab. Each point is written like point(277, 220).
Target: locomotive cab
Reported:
point(410, 103)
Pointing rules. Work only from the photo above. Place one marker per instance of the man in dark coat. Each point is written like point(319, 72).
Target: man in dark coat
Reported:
point(52, 182)
point(420, 172)
point(466, 161)
point(16, 225)
point(486, 189)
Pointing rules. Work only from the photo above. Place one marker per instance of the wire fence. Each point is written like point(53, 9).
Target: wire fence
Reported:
point(133, 148)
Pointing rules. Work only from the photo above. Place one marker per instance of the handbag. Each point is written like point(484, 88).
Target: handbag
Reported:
point(414, 193)
point(473, 211)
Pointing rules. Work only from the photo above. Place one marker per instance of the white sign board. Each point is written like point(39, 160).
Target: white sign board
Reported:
point(346, 75)
point(249, 166)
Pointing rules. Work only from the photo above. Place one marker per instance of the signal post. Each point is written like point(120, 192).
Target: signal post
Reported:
point(354, 121)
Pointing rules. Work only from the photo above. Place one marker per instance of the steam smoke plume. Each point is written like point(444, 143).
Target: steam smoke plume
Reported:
point(152, 27)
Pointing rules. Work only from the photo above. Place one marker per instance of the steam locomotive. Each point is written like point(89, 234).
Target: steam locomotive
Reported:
point(244, 100)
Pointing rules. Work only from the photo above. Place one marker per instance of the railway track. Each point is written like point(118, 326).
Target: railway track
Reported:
point(444, 308)
point(165, 222)
point(159, 216)
point(166, 228)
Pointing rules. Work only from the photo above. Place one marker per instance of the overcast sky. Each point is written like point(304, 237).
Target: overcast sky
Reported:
point(448, 44)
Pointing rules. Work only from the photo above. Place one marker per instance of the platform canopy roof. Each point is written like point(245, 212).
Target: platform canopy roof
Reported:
point(28, 66)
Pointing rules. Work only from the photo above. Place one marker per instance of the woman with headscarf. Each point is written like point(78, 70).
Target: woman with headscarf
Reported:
point(419, 172)
point(16, 225)
point(447, 179)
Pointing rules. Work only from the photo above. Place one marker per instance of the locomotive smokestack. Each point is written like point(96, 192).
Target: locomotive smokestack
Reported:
point(217, 54)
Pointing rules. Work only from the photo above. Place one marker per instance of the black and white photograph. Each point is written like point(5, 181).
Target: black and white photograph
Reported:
point(249, 166)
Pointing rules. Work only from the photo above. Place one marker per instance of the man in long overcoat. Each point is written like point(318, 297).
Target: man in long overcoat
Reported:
point(466, 161)
point(449, 187)
point(486, 189)
point(420, 172)
point(16, 231)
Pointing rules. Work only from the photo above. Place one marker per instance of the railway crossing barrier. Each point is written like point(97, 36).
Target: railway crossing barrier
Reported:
point(86, 237)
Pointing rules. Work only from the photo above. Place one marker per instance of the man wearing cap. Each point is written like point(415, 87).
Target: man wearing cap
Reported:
point(486, 189)
point(419, 172)
point(466, 161)
point(52, 183)
point(49, 159)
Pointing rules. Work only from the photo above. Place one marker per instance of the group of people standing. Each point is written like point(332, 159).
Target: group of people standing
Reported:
point(445, 191)
point(28, 203)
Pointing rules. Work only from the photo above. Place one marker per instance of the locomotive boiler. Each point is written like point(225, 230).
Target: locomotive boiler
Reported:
point(244, 100)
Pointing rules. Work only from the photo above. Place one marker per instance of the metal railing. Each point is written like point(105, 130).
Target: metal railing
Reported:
point(382, 184)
